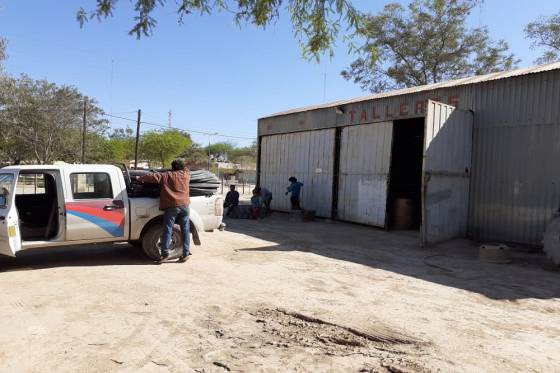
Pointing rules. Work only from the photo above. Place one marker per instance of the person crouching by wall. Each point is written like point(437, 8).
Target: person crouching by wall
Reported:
point(256, 204)
point(266, 199)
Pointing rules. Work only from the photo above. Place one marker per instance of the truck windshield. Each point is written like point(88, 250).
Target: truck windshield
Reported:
point(6, 185)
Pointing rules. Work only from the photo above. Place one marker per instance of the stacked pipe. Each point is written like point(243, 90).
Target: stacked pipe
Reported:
point(202, 183)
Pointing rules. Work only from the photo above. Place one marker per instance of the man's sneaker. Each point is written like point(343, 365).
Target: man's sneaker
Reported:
point(183, 258)
point(163, 256)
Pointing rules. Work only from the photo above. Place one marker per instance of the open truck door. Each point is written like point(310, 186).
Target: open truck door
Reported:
point(10, 236)
point(446, 172)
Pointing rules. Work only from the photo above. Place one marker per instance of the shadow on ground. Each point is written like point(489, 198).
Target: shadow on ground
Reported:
point(74, 256)
point(453, 264)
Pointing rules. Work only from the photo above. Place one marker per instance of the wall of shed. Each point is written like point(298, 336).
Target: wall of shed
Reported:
point(308, 156)
point(515, 183)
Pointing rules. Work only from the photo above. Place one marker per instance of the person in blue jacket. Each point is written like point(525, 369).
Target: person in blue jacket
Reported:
point(295, 190)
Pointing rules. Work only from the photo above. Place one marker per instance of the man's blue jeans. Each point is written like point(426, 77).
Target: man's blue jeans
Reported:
point(179, 215)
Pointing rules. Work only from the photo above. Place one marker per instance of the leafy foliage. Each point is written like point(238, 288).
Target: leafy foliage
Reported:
point(3, 55)
point(196, 156)
point(164, 146)
point(221, 149)
point(545, 32)
point(427, 44)
point(121, 145)
point(42, 121)
point(316, 23)
point(246, 156)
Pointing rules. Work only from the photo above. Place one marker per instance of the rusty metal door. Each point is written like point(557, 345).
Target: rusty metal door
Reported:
point(446, 172)
point(365, 159)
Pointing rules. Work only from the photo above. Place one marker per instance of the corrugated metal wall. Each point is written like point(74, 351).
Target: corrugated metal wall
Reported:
point(515, 185)
point(365, 159)
point(309, 156)
point(447, 164)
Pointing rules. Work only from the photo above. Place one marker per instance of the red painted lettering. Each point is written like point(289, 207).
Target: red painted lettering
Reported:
point(403, 109)
point(420, 107)
point(351, 112)
point(363, 117)
point(453, 101)
point(374, 115)
point(388, 114)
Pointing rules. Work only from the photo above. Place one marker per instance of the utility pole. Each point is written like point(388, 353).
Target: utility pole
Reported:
point(170, 119)
point(208, 152)
point(210, 134)
point(84, 131)
point(137, 139)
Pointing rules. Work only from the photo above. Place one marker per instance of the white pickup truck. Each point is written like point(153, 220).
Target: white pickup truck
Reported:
point(48, 206)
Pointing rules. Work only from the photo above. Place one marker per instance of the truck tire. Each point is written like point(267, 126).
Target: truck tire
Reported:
point(151, 241)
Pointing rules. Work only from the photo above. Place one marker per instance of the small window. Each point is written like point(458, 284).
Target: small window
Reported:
point(91, 185)
point(31, 184)
point(6, 182)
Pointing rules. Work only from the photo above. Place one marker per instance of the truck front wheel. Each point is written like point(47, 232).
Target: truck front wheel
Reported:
point(151, 241)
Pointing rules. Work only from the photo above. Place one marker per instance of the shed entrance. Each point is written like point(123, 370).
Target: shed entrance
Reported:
point(404, 202)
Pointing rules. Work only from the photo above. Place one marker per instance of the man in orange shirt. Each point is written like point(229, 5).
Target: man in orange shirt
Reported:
point(174, 200)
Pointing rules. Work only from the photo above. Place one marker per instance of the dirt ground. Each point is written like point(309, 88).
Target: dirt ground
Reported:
point(278, 295)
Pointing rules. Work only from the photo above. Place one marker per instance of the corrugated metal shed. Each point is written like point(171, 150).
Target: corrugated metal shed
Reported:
point(515, 183)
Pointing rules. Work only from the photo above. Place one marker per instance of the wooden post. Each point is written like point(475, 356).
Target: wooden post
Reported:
point(84, 124)
point(137, 139)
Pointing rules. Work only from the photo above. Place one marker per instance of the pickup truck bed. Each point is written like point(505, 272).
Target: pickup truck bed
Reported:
point(202, 183)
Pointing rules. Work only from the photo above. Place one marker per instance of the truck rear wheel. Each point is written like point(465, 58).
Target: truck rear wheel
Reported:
point(151, 241)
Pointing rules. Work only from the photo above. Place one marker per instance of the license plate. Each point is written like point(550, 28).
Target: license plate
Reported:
point(12, 231)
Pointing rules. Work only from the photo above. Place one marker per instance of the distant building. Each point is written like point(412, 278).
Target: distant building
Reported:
point(142, 165)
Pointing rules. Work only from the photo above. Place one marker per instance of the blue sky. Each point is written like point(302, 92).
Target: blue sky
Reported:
point(212, 74)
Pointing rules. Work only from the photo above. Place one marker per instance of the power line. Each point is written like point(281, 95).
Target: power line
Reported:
point(182, 130)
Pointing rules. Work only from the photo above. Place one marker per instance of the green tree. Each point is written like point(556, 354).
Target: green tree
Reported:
point(316, 23)
point(245, 156)
point(196, 156)
point(98, 149)
point(3, 54)
point(121, 145)
point(163, 146)
point(428, 43)
point(545, 33)
point(41, 121)
point(220, 149)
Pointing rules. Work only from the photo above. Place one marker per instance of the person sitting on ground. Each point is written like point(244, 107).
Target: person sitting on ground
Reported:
point(295, 190)
point(266, 197)
point(256, 204)
point(232, 199)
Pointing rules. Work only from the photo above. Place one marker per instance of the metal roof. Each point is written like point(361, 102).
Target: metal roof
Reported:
point(429, 87)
